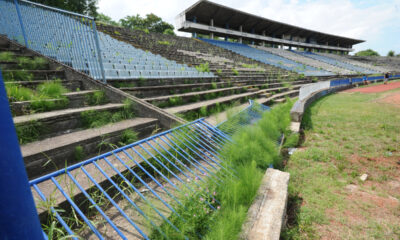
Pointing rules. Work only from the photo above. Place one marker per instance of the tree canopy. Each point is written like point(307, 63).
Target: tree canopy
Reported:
point(151, 23)
point(86, 7)
point(106, 19)
point(391, 53)
point(366, 53)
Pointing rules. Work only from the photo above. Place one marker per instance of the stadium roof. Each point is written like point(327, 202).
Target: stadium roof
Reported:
point(204, 11)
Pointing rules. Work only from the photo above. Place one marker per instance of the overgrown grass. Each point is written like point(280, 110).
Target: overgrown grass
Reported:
point(7, 57)
point(346, 135)
point(95, 119)
point(253, 149)
point(97, 98)
point(36, 63)
point(204, 67)
point(18, 75)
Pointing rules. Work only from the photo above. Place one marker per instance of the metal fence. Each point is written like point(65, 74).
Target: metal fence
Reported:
point(247, 116)
point(309, 89)
point(64, 36)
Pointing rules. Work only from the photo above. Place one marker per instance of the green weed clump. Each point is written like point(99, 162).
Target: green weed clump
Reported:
point(37, 63)
point(52, 89)
point(18, 75)
point(253, 149)
point(128, 136)
point(95, 119)
point(29, 132)
point(97, 98)
point(204, 67)
point(16, 93)
point(7, 56)
point(164, 43)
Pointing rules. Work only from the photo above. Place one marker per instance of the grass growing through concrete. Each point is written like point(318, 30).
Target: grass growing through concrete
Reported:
point(253, 149)
point(346, 135)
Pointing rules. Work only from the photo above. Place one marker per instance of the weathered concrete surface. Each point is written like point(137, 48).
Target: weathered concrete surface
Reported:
point(267, 215)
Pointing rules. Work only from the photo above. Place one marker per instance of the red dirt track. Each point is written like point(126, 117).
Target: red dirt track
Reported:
point(376, 89)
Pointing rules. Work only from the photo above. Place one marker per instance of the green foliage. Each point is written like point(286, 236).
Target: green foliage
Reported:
point(249, 65)
point(106, 19)
point(174, 101)
point(29, 132)
point(95, 119)
point(37, 63)
point(214, 85)
point(164, 43)
point(151, 23)
point(7, 56)
point(97, 98)
point(204, 67)
point(16, 93)
point(86, 7)
point(79, 153)
point(366, 53)
point(128, 136)
point(292, 140)
point(235, 72)
point(391, 53)
point(252, 150)
point(51, 89)
point(169, 31)
point(219, 71)
point(17, 75)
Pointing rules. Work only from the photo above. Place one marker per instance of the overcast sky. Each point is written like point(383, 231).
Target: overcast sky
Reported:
point(376, 21)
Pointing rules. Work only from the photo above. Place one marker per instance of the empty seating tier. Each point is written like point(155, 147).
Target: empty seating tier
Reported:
point(269, 58)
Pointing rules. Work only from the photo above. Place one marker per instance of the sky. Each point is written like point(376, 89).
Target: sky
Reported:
point(375, 21)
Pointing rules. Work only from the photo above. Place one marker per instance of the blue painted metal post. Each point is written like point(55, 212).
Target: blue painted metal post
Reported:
point(227, 27)
point(21, 23)
point(195, 21)
point(18, 215)
point(99, 52)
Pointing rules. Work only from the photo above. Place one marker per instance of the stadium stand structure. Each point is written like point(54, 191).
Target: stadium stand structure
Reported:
point(58, 131)
point(336, 62)
point(307, 61)
point(123, 61)
point(269, 58)
point(346, 59)
point(239, 78)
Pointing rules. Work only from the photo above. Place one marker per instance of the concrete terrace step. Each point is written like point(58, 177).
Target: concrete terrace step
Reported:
point(278, 97)
point(58, 122)
point(61, 152)
point(70, 84)
point(40, 74)
point(75, 100)
point(187, 96)
point(209, 103)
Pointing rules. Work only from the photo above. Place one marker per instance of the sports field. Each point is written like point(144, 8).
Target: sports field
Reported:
point(348, 134)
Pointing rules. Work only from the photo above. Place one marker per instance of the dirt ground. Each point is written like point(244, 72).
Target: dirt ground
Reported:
point(377, 88)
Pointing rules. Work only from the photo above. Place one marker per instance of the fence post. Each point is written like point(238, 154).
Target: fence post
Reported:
point(18, 215)
point(21, 23)
point(99, 51)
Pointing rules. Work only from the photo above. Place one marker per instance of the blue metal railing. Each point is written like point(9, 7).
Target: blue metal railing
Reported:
point(18, 216)
point(64, 36)
point(247, 116)
point(348, 81)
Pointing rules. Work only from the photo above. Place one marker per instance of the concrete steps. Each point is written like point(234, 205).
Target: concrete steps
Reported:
point(55, 153)
point(59, 122)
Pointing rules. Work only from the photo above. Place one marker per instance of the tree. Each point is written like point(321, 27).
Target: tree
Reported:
point(106, 19)
point(86, 7)
point(391, 53)
point(151, 23)
point(366, 53)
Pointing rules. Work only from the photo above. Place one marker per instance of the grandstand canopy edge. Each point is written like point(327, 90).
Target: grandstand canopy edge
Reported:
point(215, 20)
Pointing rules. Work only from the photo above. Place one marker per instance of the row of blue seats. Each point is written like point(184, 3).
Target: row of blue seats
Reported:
point(126, 74)
point(269, 58)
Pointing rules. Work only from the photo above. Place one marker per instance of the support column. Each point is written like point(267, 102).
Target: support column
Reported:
point(240, 30)
point(263, 42)
point(194, 35)
point(227, 27)
point(252, 31)
point(212, 25)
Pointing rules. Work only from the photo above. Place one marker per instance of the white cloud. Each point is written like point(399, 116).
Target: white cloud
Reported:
point(363, 20)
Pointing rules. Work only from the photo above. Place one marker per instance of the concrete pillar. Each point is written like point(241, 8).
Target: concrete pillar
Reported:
point(194, 35)
point(240, 30)
point(252, 31)
point(227, 27)
point(212, 25)
point(263, 42)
